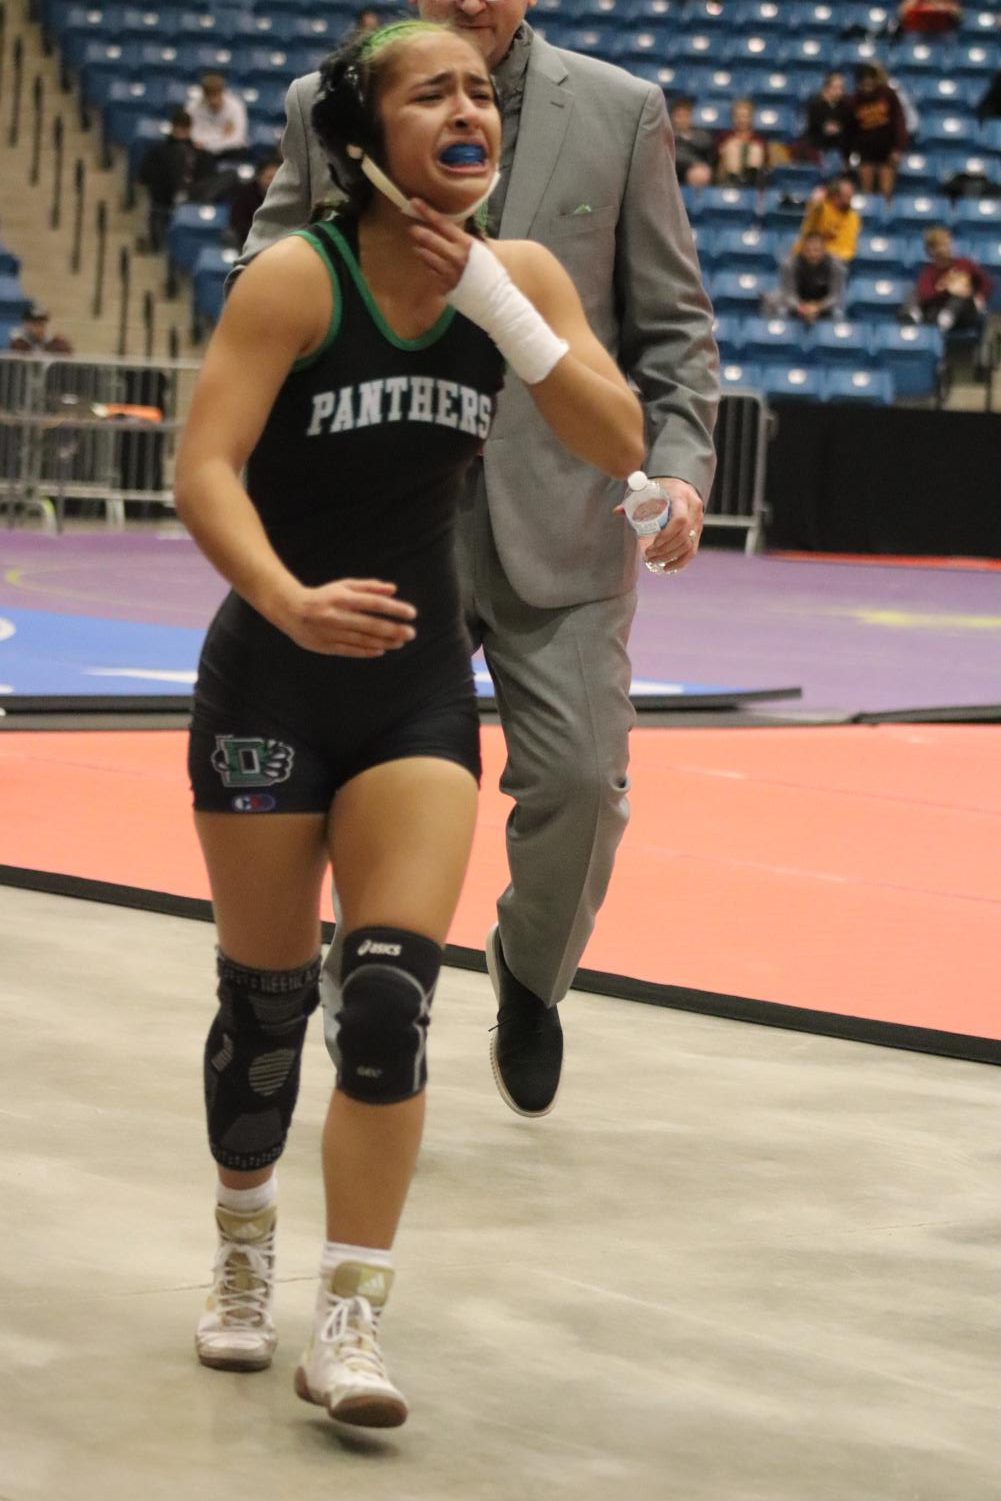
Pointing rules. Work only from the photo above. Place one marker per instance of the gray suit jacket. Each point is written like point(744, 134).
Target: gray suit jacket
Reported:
point(593, 179)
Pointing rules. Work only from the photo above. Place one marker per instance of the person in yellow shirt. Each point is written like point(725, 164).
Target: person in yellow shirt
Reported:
point(831, 215)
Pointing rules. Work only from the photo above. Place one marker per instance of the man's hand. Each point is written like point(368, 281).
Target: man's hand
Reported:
point(676, 546)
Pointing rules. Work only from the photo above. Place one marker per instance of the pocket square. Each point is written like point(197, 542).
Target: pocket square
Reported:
point(583, 208)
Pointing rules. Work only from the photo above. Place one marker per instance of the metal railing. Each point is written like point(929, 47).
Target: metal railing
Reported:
point(737, 498)
point(99, 432)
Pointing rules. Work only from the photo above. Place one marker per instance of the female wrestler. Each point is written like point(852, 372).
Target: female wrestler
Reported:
point(354, 372)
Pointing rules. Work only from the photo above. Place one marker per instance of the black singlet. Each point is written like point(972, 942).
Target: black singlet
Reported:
point(356, 474)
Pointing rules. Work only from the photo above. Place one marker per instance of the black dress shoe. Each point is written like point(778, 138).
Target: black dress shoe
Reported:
point(526, 1046)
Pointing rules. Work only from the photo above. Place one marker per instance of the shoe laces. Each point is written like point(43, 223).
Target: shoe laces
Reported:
point(351, 1325)
point(242, 1279)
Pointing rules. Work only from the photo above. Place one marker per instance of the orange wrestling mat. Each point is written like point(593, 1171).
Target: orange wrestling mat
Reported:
point(843, 880)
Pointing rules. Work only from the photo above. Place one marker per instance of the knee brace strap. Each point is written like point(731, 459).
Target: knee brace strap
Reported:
point(387, 981)
point(252, 1060)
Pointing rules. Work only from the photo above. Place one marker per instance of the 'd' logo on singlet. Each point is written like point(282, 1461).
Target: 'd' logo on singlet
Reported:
point(401, 398)
point(251, 761)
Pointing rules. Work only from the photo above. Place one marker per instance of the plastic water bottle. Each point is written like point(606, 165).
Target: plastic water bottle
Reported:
point(647, 509)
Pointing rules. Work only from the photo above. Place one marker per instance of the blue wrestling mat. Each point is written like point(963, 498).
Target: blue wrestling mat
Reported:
point(80, 663)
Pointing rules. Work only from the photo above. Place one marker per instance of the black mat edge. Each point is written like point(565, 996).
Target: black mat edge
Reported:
point(958, 1045)
point(961, 714)
point(167, 703)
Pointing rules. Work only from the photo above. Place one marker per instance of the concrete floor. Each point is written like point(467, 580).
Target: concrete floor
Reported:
point(736, 1264)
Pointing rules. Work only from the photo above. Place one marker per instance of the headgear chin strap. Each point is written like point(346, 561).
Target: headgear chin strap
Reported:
point(388, 188)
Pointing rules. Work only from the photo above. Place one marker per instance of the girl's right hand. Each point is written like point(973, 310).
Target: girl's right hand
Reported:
point(347, 618)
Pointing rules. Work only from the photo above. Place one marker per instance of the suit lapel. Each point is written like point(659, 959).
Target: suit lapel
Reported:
point(545, 116)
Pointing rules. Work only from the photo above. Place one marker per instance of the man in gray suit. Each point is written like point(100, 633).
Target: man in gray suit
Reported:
point(549, 572)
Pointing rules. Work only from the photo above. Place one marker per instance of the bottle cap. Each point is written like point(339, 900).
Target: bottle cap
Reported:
point(637, 480)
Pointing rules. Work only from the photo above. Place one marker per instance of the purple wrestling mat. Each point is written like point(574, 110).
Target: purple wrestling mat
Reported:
point(857, 637)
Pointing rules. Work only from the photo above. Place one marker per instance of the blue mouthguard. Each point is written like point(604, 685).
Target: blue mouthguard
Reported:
point(462, 155)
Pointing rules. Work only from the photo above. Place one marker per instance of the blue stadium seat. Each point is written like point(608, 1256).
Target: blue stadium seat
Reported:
point(728, 206)
point(918, 173)
point(721, 82)
point(648, 11)
point(985, 249)
point(194, 227)
point(86, 24)
point(879, 255)
point(696, 47)
point(712, 114)
point(586, 39)
point(214, 57)
point(317, 31)
point(990, 135)
point(671, 79)
point(757, 15)
point(876, 297)
point(778, 87)
point(798, 178)
point(739, 375)
point(219, 26)
point(633, 44)
point(145, 23)
point(940, 129)
point(754, 49)
point(793, 382)
point(103, 64)
point(265, 103)
point(912, 354)
point(975, 215)
point(211, 269)
point(771, 340)
point(10, 264)
point(838, 342)
point(750, 249)
point(932, 91)
point(12, 299)
point(981, 23)
point(276, 30)
point(778, 122)
point(128, 103)
point(703, 15)
point(265, 138)
point(738, 291)
point(977, 58)
point(821, 18)
point(804, 52)
point(915, 54)
point(705, 243)
point(847, 55)
point(873, 387)
point(904, 212)
point(728, 331)
point(783, 210)
point(261, 65)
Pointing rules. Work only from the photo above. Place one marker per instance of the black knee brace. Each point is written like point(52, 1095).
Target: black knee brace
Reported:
point(387, 982)
point(252, 1059)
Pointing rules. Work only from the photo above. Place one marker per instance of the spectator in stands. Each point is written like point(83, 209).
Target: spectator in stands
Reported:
point(989, 107)
point(219, 119)
point(929, 17)
point(827, 118)
point(741, 155)
point(877, 130)
point(831, 215)
point(168, 171)
point(811, 283)
point(951, 290)
point(694, 150)
point(248, 198)
point(367, 19)
point(33, 337)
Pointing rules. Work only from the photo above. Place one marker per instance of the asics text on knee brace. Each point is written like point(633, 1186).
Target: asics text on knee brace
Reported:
point(387, 982)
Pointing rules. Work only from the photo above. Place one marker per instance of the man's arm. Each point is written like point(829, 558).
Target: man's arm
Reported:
point(666, 346)
point(289, 201)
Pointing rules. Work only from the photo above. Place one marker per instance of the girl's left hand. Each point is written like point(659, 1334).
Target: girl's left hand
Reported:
point(441, 244)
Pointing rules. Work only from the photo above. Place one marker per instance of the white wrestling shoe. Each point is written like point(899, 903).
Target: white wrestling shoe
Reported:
point(342, 1368)
point(236, 1332)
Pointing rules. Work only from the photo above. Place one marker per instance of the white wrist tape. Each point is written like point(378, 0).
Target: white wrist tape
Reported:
point(487, 296)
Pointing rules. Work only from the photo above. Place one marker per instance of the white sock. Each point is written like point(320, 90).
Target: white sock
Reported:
point(335, 1251)
point(248, 1200)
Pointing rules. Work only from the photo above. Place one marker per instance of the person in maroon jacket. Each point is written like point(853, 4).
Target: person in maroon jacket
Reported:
point(877, 130)
point(951, 290)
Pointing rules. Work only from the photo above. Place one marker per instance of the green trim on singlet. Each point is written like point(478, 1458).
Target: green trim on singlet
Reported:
point(433, 334)
point(323, 251)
